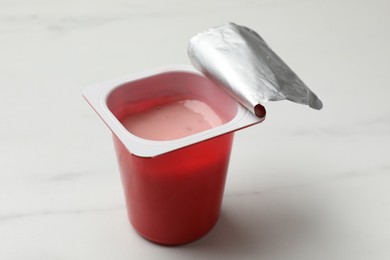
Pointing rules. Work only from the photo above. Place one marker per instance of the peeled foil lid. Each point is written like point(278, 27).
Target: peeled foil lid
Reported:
point(238, 59)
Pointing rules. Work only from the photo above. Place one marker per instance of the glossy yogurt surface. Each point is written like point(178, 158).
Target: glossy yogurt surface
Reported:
point(172, 120)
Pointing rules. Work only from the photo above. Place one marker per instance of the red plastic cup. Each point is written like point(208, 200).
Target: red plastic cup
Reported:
point(173, 189)
point(175, 198)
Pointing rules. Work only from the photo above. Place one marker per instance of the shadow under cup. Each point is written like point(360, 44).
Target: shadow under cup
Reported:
point(173, 198)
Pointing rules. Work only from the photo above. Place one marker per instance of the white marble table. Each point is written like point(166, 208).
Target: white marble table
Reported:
point(304, 184)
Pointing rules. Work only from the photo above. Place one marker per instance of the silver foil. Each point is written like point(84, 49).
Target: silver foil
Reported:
point(238, 59)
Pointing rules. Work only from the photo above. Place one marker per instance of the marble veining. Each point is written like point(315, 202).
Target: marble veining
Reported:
point(379, 125)
point(4, 218)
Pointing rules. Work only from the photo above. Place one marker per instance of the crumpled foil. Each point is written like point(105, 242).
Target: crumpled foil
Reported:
point(238, 59)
